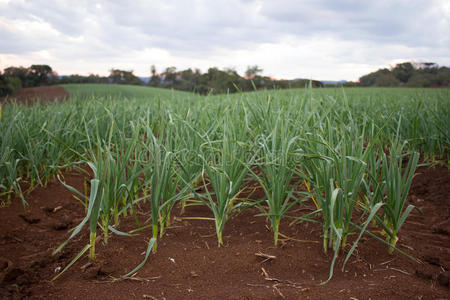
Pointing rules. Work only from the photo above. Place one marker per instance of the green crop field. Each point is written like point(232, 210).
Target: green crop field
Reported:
point(350, 152)
point(121, 91)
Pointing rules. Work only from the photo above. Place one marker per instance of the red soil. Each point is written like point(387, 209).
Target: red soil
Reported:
point(43, 94)
point(188, 263)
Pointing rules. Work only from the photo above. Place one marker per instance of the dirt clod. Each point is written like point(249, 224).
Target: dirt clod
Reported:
point(61, 225)
point(442, 228)
point(432, 260)
point(3, 264)
point(13, 274)
point(30, 219)
point(424, 273)
point(444, 278)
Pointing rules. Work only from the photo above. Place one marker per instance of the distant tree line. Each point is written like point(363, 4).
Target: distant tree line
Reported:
point(214, 81)
point(410, 75)
point(14, 78)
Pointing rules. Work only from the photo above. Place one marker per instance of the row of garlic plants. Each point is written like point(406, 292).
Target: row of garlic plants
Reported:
point(348, 151)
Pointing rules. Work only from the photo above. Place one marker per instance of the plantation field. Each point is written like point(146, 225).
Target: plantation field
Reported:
point(311, 193)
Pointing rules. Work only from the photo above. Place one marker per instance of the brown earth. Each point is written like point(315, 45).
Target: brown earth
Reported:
point(43, 94)
point(189, 265)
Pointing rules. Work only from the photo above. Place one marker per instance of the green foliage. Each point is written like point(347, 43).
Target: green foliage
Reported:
point(123, 77)
point(409, 74)
point(224, 164)
point(155, 79)
point(9, 85)
point(376, 78)
point(14, 78)
point(19, 72)
point(92, 78)
point(38, 75)
point(168, 147)
point(214, 81)
point(253, 71)
point(403, 71)
point(102, 91)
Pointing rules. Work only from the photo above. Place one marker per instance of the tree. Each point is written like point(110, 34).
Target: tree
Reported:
point(155, 80)
point(371, 79)
point(188, 80)
point(427, 74)
point(403, 71)
point(19, 72)
point(4, 88)
point(169, 76)
point(9, 85)
point(40, 74)
point(386, 79)
point(153, 70)
point(35, 75)
point(420, 80)
point(429, 67)
point(123, 77)
point(217, 81)
point(253, 71)
point(350, 84)
point(443, 76)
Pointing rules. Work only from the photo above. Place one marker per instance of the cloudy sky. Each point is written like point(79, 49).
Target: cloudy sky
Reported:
point(327, 40)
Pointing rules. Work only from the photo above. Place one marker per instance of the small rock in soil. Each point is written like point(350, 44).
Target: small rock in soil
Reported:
point(443, 278)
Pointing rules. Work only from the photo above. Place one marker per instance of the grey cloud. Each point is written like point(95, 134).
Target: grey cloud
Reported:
point(406, 22)
point(191, 28)
point(200, 26)
point(12, 43)
point(67, 17)
point(200, 29)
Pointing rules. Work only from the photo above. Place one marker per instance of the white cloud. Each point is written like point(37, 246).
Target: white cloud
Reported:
point(314, 39)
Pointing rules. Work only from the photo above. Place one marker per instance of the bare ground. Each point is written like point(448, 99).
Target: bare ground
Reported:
point(189, 265)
